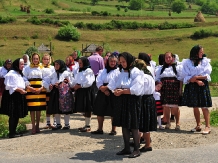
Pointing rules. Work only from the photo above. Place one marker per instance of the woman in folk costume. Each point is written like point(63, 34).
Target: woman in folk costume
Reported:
point(13, 100)
point(104, 103)
point(61, 99)
point(196, 72)
point(128, 89)
point(148, 118)
point(36, 93)
point(170, 75)
point(26, 60)
point(47, 70)
point(72, 66)
point(84, 93)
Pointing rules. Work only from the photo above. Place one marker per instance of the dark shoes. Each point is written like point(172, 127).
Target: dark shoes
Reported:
point(14, 135)
point(85, 129)
point(97, 132)
point(124, 152)
point(144, 149)
point(57, 127)
point(66, 127)
point(134, 154)
point(113, 133)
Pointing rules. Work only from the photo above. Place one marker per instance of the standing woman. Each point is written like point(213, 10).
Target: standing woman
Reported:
point(146, 58)
point(59, 103)
point(36, 94)
point(196, 71)
point(26, 60)
point(84, 93)
point(171, 77)
point(47, 70)
point(72, 66)
point(103, 105)
point(13, 101)
point(128, 88)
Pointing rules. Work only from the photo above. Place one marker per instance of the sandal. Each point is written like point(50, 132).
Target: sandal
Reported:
point(196, 129)
point(161, 128)
point(168, 126)
point(206, 131)
point(177, 128)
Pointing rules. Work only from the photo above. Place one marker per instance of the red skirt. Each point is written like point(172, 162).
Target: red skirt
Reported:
point(159, 107)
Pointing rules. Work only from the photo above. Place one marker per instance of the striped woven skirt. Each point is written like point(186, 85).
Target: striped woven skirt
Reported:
point(36, 102)
point(159, 107)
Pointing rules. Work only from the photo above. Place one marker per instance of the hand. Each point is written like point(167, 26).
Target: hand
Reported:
point(103, 88)
point(107, 93)
point(77, 86)
point(118, 92)
point(56, 85)
point(193, 79)
point(31, 89)
point(39, 90)
point(50, 86)
point(23, 92)
point(200, 83)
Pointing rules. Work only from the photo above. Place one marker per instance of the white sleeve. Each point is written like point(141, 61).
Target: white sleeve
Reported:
point(25, 75)
point(179, 72)
point(207, 68)
point(70, 79)
point(10, 83)
point(99, 80)
point(89, 78)
point(157, 73)
point(137, 85)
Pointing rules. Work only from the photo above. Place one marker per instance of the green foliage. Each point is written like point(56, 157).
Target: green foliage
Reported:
point(126, 9)
point(178, 6)
point(7, 19)
point(214, 76)
point(3, 130)
point(136, 4)
point(54, 2)
point(31, 50)
point(102, 13)
point(74, 9)
point(68, 32)
point(118, 8)
point(94, 2)
point(209, 8)
point(214, 117)
point(49, 11)
point(202, 34)
point(35, 36)
point(1, 62)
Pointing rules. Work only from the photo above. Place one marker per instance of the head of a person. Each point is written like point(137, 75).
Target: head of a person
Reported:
point(60, 66)
point(150, 56)
point(107, 55)
point(139, 63)
point(35, 59)
point(175, 58)
point(168, 58)
point(84, 62)
point(196, 52)
point(112, 61)
point(99, 50)
point(161, 59)
point(18, 65)
point(158, 86)
point(126, 59)
point(26, 59)
point(67, 60)
point(8, 64)
point(145, 57)
point(74, 55)
point(46, 59)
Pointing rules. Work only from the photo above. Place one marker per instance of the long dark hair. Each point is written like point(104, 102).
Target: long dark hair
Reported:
point(165, 65)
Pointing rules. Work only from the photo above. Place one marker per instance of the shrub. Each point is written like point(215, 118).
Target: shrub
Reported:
point(68, 32)
point(31, 50)
point(80, 25)
point(54, 2)
point(94, 13)
point(74, 9)
point(136, 4)
point(118, 8)
point(202, 34)
point(126, 9)
point(49, 11)
point(7, 19)
point(34, 20)
point(35, 36)
point(209, 8)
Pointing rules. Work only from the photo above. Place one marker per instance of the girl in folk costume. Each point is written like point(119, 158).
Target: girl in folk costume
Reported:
point(72, 66)
point(196, 71)
point(170, 75)
point(47, 70)
point(3, 71)
point(61, 99)
point(103, 105)
point(26, 60)
point(148, 115)
point(13, 101)
point(36, 93)
point(128, 88)
point(84, 94)
point(146, 58)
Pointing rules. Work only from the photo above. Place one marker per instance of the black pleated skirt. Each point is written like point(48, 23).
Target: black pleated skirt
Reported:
point(103, 105)
point(2, 86)
point(53, 103)
point(197, 96)
point(148, 119)
point(127, 110)
point(13, 105)
point(84, 99)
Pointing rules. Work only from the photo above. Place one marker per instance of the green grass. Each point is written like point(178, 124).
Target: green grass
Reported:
point(214, 117)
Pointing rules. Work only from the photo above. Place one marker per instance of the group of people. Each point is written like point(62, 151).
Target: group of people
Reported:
point(134, 92)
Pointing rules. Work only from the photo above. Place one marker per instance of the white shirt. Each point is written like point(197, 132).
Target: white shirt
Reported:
point(32, 73)
point(13, 80)
point(189, 70)
point(85, 78)
point(149, 85)
point(156, 95)
point(3, 72)
point(104, 77)
point(135, 82)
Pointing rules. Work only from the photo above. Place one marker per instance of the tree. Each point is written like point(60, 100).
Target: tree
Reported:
point(178, 6)
point(94, 2)
point(136, 4)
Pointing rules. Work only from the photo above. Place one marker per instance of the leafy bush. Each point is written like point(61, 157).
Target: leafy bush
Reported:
point(68, 32)
point(178, 6)
point(199, 2)
point(74, 9)
point(49, 11)
point(209, 8)
point(202, 34)
point(136, 4)
point(54, 2)
point(95, 13)
point(34, 20)
point(126, 9)
point(31, 50)
point(118, 8)
point(7, 19)
point(80, 25)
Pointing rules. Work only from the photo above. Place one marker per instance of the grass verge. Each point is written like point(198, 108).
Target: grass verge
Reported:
point(214, 117)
